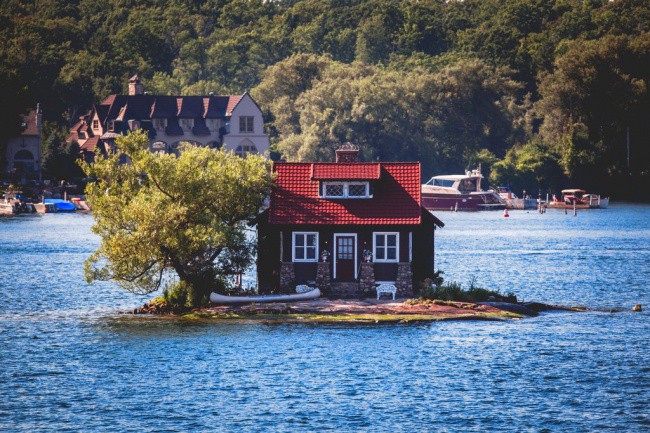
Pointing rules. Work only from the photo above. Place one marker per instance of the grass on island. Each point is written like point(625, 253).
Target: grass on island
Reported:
point(346, 318)
point(436, 290)
point(433, 292)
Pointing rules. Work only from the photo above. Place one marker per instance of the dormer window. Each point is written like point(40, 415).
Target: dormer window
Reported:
point(345, 190)
point(95, 124)
point(111, 126)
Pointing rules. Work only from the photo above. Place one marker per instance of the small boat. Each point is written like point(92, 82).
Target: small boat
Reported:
point(7, 208)
point(80, 204)
point(45, 207)
point(13, 203)
point(460, 192)
point(216, 298)
point(579, 199)
point(514, 202)
point(61, 205)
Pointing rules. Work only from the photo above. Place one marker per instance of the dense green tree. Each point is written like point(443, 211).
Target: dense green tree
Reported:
point(439, 118)
point(174, 222)
point(533, 168)
point(59, 158)
point(577, 61)
point(598, 91)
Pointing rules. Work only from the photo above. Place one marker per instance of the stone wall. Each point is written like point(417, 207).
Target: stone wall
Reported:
point(367, 279)
point(323, 278)
point(404, 281)
point(287, 277)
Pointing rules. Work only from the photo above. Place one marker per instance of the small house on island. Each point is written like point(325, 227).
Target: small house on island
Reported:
point(345, 226)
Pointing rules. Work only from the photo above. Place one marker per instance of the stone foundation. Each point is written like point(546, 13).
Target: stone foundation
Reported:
point(367, 279)
point(323, 278)
point(287, 277)
point(344, 291)
point(404, 282)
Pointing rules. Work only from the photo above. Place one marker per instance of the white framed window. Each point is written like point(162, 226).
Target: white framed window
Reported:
point(111, 126)
point(95, 124)
point(385, 246)
point(187, 123)
point(160, 123)
point(346, 190)
point(246, 123)
point(305, 247)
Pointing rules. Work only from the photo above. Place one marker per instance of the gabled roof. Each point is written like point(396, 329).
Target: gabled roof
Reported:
point(190, 106)
point(346, 171)
point(102, 111)
point(142, 107)
point(233, 100)
point(396, 196)
point(90, 144)
point(215, 106)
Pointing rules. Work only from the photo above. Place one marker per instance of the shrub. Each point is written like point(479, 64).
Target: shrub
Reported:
point(434, 288)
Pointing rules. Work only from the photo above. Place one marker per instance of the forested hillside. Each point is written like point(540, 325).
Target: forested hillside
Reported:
point(542, 92)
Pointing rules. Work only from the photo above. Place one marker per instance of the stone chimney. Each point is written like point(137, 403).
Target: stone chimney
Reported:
point(135, 87)
point(347, 152)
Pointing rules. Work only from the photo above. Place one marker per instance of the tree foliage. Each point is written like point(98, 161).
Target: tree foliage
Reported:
point(575, 61)
point(164, 218)
point(438, 118)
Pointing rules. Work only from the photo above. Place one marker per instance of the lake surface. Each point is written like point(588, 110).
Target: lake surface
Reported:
point(69, 363)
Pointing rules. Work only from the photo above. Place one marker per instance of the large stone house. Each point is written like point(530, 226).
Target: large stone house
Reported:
point(23, 152)
point(345, 227)
point(232, 122)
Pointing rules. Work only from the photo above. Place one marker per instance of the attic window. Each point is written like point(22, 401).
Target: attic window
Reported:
point(95, 124)
point(346, 190)
point(246, 124)
point(111, 126)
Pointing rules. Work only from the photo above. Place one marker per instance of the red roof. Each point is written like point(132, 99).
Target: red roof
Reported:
point(396, 195)
point(346, 171)
point(232, 103)
point(90, 144)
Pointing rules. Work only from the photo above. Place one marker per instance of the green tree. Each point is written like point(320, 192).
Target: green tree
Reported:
point(60, 157)
point(440, 118)
point(533, 167)
point(599, 91)
point(164, 218)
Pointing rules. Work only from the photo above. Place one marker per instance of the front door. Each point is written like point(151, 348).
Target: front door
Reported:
point(345, 254)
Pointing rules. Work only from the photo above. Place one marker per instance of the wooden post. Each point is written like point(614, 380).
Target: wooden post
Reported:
point(575, 209)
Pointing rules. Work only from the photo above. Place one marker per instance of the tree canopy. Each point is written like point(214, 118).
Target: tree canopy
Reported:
point(173, 222)
point(560, 64)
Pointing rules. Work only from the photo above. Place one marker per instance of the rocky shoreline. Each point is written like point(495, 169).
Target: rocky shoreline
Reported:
point(365, 310)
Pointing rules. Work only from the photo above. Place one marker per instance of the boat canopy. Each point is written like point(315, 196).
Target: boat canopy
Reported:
point(61, 205)
point(573, 191)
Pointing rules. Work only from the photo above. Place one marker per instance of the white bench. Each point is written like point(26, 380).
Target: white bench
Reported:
point(386, 288)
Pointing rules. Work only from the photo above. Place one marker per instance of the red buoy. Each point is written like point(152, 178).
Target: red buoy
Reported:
point(505, 213)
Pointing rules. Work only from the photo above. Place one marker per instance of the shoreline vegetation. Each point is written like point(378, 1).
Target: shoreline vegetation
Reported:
point(437, 302)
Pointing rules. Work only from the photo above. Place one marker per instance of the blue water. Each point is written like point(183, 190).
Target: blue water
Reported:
point(69, 363)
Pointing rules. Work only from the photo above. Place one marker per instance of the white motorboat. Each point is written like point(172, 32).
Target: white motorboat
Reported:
point(459, 192)
point(216, 298)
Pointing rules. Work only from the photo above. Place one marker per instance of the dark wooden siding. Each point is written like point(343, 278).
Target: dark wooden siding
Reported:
point(268, 264)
